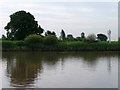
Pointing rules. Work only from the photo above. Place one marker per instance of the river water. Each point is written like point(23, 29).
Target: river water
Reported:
point(59, 69)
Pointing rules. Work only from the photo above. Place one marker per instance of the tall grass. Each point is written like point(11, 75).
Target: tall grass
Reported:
point(62, 46)
point(12, 45)
point(80, 45)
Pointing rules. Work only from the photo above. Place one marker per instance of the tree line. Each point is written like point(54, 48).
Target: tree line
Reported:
point(22, 24)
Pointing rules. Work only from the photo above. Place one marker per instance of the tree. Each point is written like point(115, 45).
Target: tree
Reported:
point(102, 37)
point(91, 37)
point(4, 37)
point(63, 36)
point(21, 25)
point(70, 36)
point(50, 33)
point(82, 35)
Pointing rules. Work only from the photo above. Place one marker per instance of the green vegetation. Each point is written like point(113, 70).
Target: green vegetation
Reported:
point(63, 36)
point(61, 46)
point(24, 33)
point(102, 37)
point(50, 40)
point(21, 25)
point(33, 38)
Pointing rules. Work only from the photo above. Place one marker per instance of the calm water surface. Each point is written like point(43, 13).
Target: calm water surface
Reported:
point(59, 70)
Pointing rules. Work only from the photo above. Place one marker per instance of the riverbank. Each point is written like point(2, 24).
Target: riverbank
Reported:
point(60, 46)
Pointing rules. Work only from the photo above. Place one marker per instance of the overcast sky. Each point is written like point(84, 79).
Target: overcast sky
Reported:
point(72, 17)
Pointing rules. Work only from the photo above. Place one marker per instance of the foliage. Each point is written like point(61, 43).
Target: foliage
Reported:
point(21, 25)
point(7, 44)
point(4, 37)
point(12, 45)
point(62, 46)
point(50, 40)
point(88, 46)
point(33, 38)
point(63, 35)
point(102, 37)
point(70, 37)
point(50, 33)
point(82, 35)
point(78, 39)
point(91, 37)
point(19, 43)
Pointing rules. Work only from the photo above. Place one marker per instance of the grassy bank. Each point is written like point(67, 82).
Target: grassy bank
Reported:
point(60, 46)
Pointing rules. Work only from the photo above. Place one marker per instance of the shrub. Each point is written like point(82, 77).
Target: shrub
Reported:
point(33, 41)
point(50, 40)
point(33, 38)
point(91, 37)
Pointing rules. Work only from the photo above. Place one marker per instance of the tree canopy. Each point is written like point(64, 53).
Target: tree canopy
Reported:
point(91, 37)
point(82, 35)
point(102, 37)
point(50, 33)
point(63, 36)
point(21, 25)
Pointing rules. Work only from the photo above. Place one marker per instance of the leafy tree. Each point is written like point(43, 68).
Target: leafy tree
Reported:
point(91, 37)
point(4, 37)
point(78, 38)
point(82, 35)
point(70, 37)
point(102, 37)
point(21, 25)
point(63, 36)
point(50, 33)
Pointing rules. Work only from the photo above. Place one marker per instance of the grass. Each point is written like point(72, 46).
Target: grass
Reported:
point(80, 45)
point(60, 46)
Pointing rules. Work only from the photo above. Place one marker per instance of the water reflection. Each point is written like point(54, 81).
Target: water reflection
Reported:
point(23, 68)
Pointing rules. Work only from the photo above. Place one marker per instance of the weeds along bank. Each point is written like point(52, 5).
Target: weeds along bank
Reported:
point(59, 46)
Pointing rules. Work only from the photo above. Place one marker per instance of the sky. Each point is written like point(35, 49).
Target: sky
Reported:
point(73, 17)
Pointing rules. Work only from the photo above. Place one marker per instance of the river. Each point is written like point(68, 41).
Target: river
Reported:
point(59, 69)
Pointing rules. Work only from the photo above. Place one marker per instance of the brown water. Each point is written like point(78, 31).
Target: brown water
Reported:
point(59, 70)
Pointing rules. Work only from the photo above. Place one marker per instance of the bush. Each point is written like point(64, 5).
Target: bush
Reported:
point(91, 37)
point(33, 41)
point(50, 40)
point(33, 38)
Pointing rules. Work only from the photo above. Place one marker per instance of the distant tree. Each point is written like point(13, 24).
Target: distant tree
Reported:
point(21, 25)
point(70, 36)
point(78, 38)
point(63, 36)
point(91, 37)
point(50, 33)
point(53, 33)
point(102, 37)
point(82, 35)
point(4, 37)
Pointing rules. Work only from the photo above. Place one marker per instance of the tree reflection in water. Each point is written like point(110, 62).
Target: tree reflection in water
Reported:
point(23, 68)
